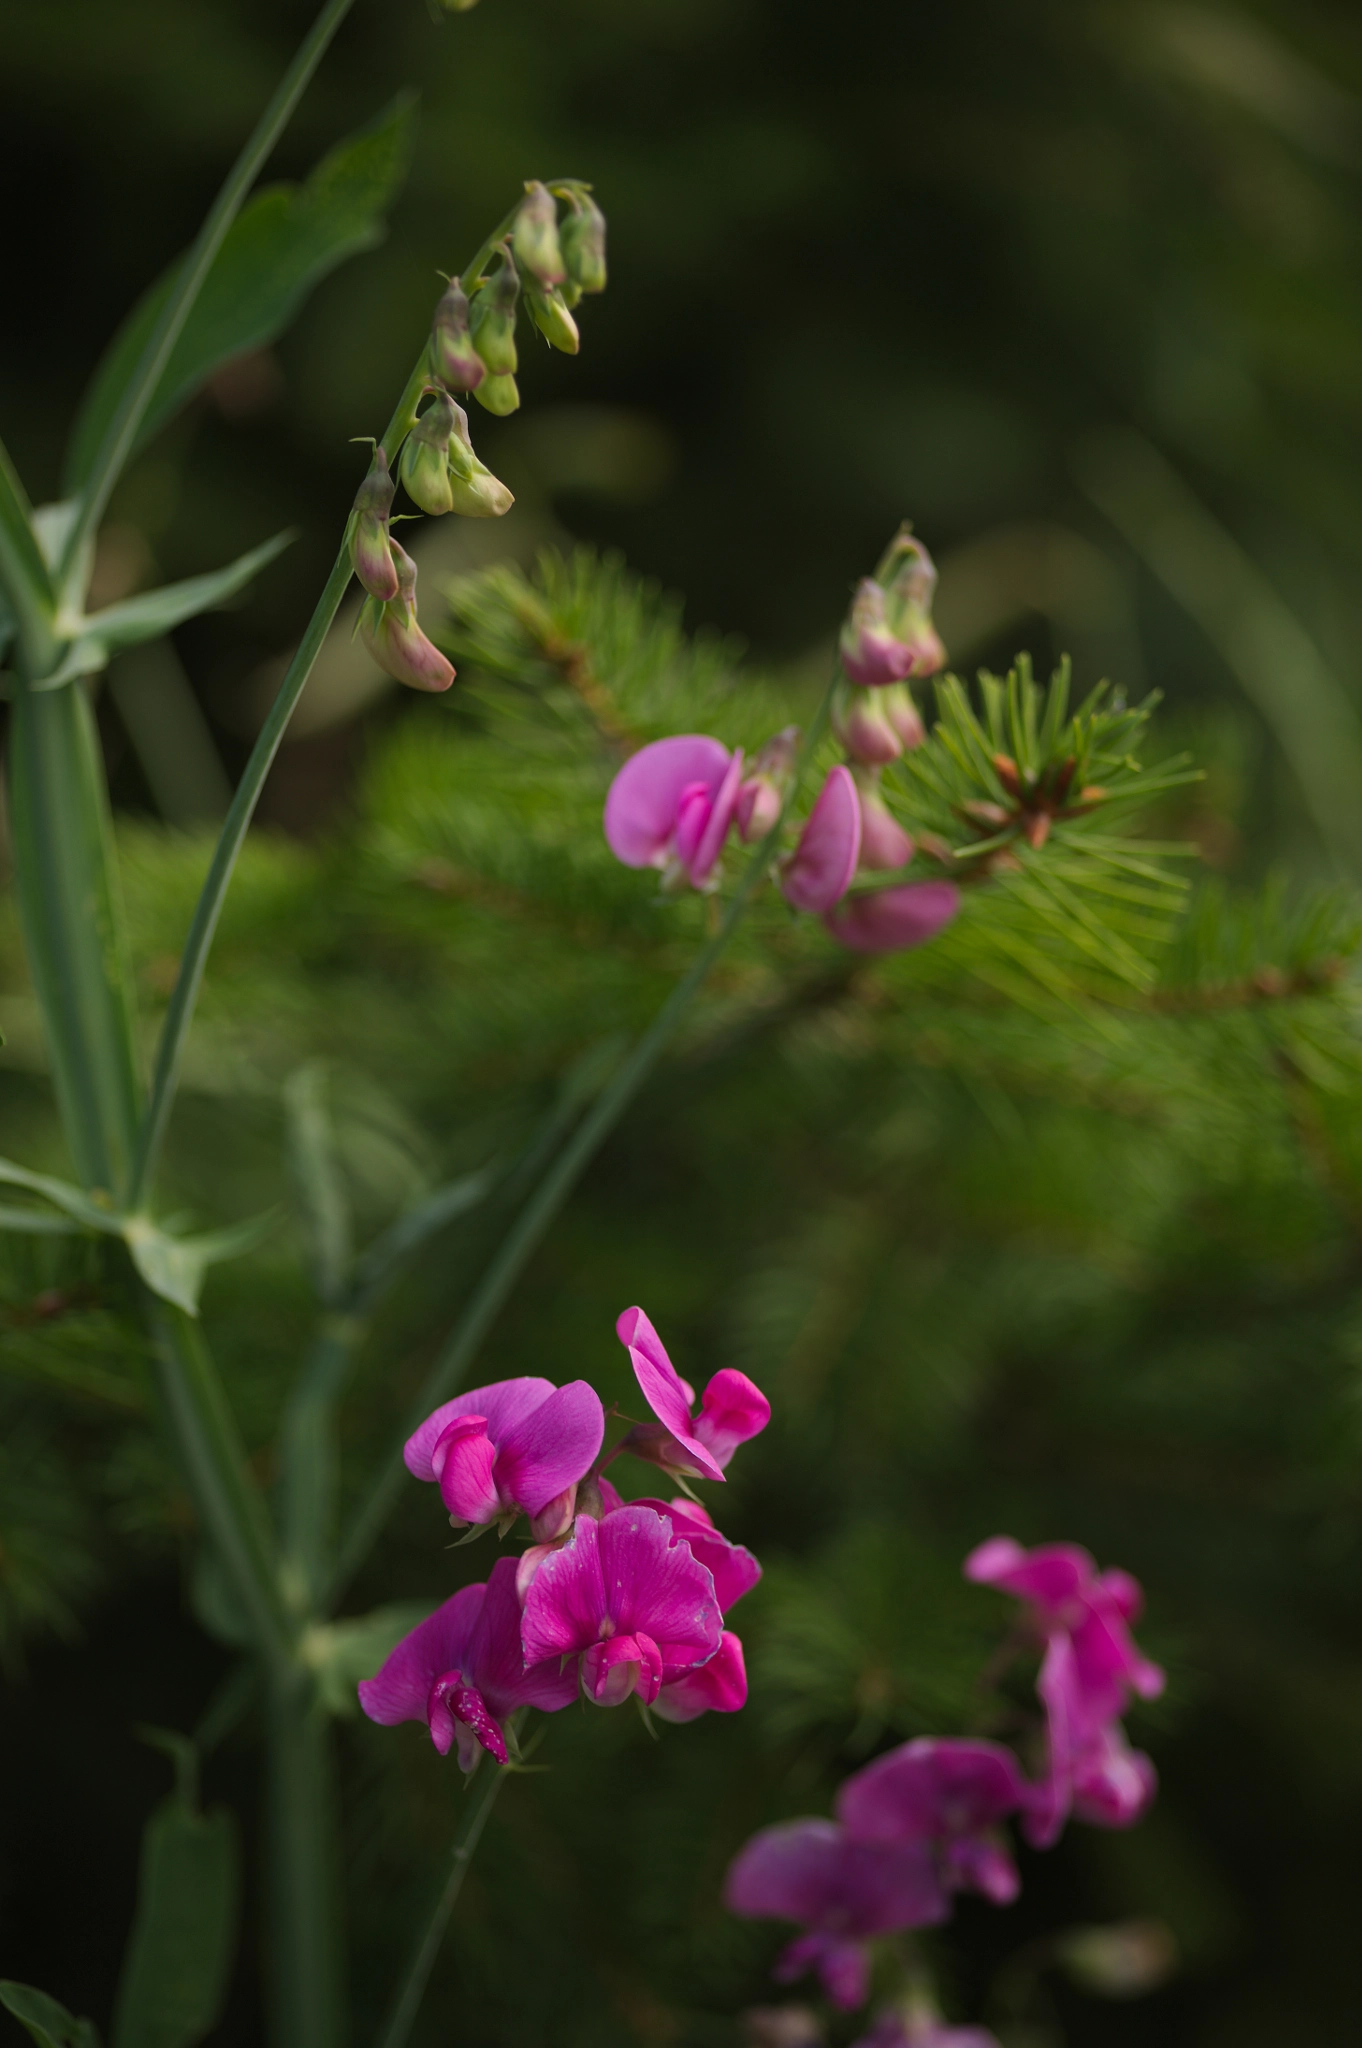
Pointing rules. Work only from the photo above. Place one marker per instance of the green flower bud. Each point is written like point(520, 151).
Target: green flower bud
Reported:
point(498, 394)
point(424, 467)
point(492, 320)
point(582, 240)
point(552, 318)
point(456, 362)
point(473, 489)
point(370, 549)
point(535, 236)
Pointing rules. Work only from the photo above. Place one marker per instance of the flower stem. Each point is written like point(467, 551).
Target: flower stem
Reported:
point(120, 436)
point(559, 1179)
point(481, 1795)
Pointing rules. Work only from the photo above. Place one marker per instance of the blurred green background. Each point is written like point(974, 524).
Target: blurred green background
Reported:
point(1077, 288)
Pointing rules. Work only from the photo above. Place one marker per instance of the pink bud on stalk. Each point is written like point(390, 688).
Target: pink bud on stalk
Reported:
point(761, 795)
point(534, 237)
point(888, 635)
point(392, 636)
point(370, 548)
point(455, 360)
point(884, 843)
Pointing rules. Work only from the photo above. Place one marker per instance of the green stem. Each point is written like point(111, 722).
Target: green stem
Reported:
point(481, 1796)
point(305, 1951)
point(531, 1224)
point(213, 1460)
point(121, 434)
point(308, 1460)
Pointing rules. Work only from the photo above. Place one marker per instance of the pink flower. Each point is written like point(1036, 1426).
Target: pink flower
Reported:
point(884, 843)
point(843, 1891)
point(630, 1598)
point(817, 874)
point(1092, 1770)
point(872, 654)
point(889, 920)
point(719, 1687)
point(699, 1447)
point(518, 1447)
point(950, 1793)
point(671, 805)
point(462, 1672)
point(734, 1570)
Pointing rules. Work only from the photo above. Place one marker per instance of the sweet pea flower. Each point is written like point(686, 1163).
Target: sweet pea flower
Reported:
point(462, 1672)
point(518, 1447)
point(841, 1890)
point(950, 1793)
point(718, 1687)
point(671, 805)
point(1091, 1768)
point(1066, 1595)
point(920, 2029)
point(818, 873)
point(697, 1447)
point(630, 1598)
point(891, 920)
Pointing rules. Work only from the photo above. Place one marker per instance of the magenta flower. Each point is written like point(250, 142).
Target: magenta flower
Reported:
point(698, 1447)
point(890, 920)
point(843, 1891)
point(462, 1672)
point(719, 1687)
point(518, 1447)
point(947, 1792)
point(630, 1598)
point(733, 1569)
point(1065, 1594)
point(818, 873)
point(1091, 1768)
point(671, 805)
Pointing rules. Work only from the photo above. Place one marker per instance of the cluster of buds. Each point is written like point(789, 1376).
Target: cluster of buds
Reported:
point(925, 1821)
point(612, 1599)
point(547, 261)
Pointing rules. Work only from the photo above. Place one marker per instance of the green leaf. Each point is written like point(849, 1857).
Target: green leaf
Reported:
point(156, 612)
point(50, 2024)
point(175, 1267)
point(283, 243)
point(61, 1194)
point(24, 577)
point(343, 1652)
point(175, 1973)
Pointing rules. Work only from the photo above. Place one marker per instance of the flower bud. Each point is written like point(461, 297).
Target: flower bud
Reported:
point(548, 310)
point(884, 843)
point(491, 320)
point(898, 707)
point(871, 654)
point(498, 394)
point(455, 360)
point(581, 237)
point(474, 490)
point(424, 466)
point(535, 236)
point(760, 796)
point(369, 546)
point(908, 576)
point(393, 637)
point(861, 723)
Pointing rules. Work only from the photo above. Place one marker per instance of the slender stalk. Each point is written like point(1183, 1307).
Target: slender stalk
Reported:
point(307, 1457)
point(121, 433)
point(530, 1226)
point(305, 1951)
point(481, 1796)
point(214, 1463)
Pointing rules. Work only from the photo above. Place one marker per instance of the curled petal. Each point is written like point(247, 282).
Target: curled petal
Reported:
point(452, 1705)
point(701, 866)
point(624, 1664)
point(468, 1484)
point(720, 1686)
point(732, 1411)
point(820, 870)
point(889, 920)
point(666, 1393)
point(640, 810)
point(501, 1406)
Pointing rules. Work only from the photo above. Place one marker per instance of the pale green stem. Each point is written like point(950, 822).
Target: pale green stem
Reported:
point(481, 1795)
point(121, 434)
point(530, 1226)
point(305, 1951)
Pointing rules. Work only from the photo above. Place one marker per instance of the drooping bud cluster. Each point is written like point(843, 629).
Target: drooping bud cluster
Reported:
point(924, 1821)
point(612, 1598)
point(390, 631)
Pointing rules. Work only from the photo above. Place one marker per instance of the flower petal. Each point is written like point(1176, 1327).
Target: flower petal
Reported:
point(566, 1602)
point(467, 1460)
point(890, 920)
point(654, 1586)
point(734, 1570)
point(495, 1660)
point(663, 1388)
point(399, 1689)
point(551, 1448)
point(720, 1686)
point(732, 1411)
point(822, 865)
point(640, 810)
point(499, 1405)
point(701, 866)
point(453, 1704)
point(931, 1789)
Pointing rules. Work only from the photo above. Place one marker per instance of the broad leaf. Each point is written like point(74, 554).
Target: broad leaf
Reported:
point(175, 1267)
point(175, 1972)
point(50, 2024)
point(283, 243)
point(156, 612)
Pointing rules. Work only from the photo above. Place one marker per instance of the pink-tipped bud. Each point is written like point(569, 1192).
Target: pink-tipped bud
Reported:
point(473, 489)
point(761, 795)
point(884, 843)
point(903, 715)
point(424, 465)
point(370, 550)
point(581, 236)
point(535, 236)
point(861, 723)
point(455, 360)
point(491, 319)
point(872, 654)
point(908, 576)
point(393, 637)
